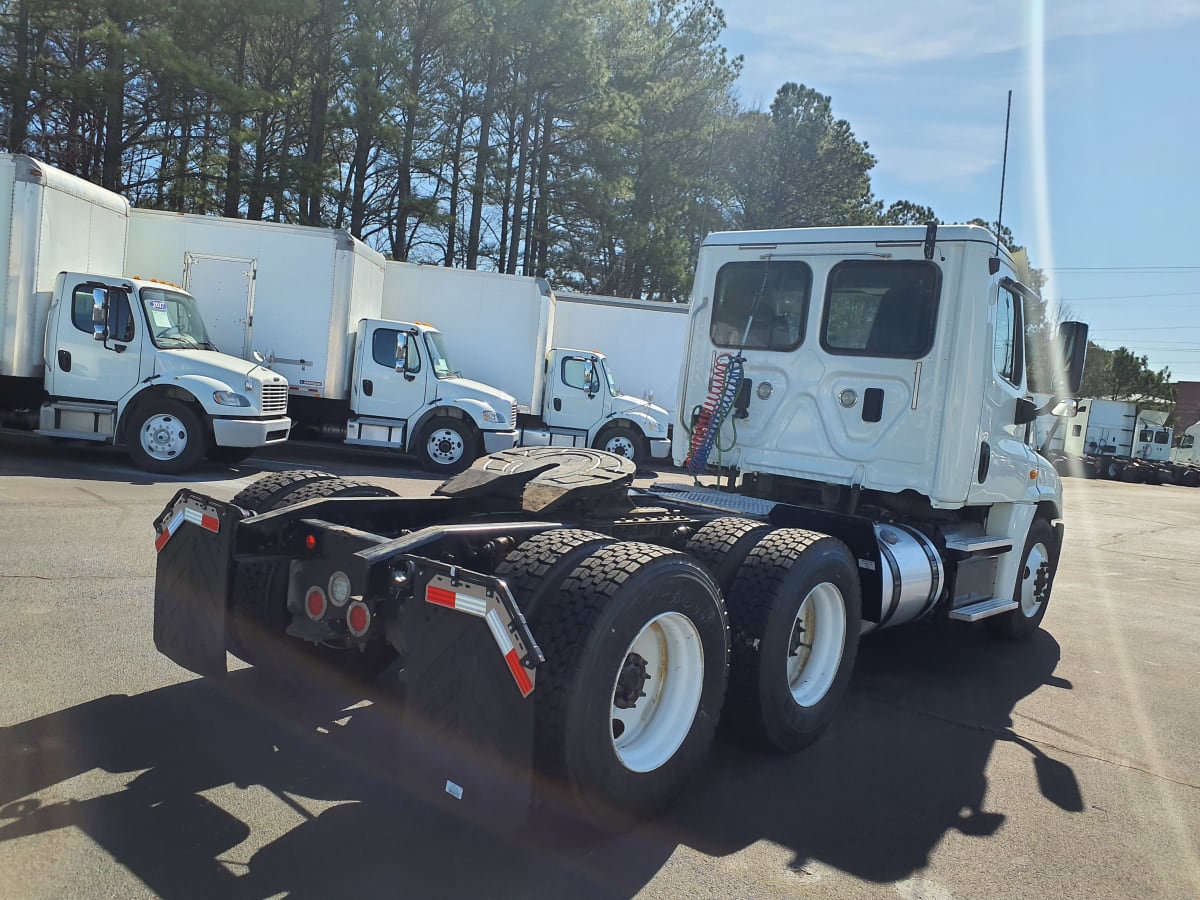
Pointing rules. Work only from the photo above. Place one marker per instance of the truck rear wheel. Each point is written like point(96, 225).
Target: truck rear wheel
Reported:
point(795, 611)
point(262, 494)
point(1035, 579)
point(538, 565)
point(723, 545)
point(448, 445)
point(636, 644)
point(622, 441)
point(165, 436)
point(255, 629)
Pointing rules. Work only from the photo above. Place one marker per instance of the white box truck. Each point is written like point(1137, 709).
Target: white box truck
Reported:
point(502, 328)
point(551, 620)
point(309, 300)
point(642, 339)
point(86, 353)
point(1115, 440)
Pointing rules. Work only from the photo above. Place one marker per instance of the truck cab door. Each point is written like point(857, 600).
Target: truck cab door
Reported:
point(575, 396)
point(379, 390)
point(1004, 458)
point(80, 367)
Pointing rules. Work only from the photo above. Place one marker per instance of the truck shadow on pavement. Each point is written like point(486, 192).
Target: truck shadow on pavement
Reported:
point(321, 810)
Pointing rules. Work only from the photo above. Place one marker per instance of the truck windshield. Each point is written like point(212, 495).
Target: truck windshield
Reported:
point(175, 320)
point(438, 357)
point(612, 384)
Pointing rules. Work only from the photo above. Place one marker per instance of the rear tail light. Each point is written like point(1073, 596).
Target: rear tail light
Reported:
point(358, 618)
point(339, 588)
point(315, 603)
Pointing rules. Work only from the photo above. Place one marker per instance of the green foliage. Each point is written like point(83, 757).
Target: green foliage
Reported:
point(1123, 375)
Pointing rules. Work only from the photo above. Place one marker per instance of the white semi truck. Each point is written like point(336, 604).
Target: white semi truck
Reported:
point(88, 354)
point(505, 329)
point(310, 299)
point(1115, 440)
point(562, 631)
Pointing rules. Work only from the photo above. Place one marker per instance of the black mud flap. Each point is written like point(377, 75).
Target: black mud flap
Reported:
point(193, 537)
point(469, 692)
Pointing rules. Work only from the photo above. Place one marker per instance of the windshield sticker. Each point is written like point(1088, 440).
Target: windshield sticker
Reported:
point(162, 319)
point(159, 305)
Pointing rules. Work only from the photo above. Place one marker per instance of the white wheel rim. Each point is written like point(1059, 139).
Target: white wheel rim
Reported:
point(620, 445)
point(445, 446)
point(647, 734)
point(1037, 566)
point(163, 437)
point(816, 643)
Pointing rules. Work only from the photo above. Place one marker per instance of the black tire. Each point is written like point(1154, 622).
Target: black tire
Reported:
point(258, 614)
point(764, 603)
point(1022, 622)
point(538, 565)
point(229, 456)
point(622, 441)
point(1111, 470)
point(587, 631)
point(263, 494)
point(458, 448)
point(173, 429)
point(1190, 478)
point(723, 544)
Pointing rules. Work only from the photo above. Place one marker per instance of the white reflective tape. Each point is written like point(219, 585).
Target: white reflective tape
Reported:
point(468, 604)
point(193, 515)
point(499, 632)
point(176, 520)
point(454, 790)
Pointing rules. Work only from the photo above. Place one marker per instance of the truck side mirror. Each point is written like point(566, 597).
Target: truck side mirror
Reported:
point(1072, 343)
point(589, 377)
point(100, 314)
point(402, 353)
point(1027, 411)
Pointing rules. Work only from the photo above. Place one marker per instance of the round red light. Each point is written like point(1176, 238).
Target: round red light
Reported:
point(310, 542)
point(358, 619)
point(315, 603)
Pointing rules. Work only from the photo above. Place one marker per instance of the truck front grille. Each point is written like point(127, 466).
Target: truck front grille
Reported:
point(274, 399)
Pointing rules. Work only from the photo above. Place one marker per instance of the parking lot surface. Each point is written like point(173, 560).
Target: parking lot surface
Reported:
point(959, 766)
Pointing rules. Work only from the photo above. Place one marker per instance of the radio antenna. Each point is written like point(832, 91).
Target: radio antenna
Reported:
point(1003, 171)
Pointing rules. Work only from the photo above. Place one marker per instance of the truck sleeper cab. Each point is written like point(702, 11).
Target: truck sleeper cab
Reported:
point(129, 362)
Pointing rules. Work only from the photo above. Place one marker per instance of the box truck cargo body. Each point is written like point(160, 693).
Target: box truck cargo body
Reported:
point(308, 300)
point(90, 354)
point(501, 329)
point(293, 293)
point(643, 340)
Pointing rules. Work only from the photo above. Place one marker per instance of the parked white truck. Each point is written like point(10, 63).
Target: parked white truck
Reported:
point(1113, 439)
point(639, 337)
point(553, 621)
point(88, 354)
point(504, 327)
point(310, 300)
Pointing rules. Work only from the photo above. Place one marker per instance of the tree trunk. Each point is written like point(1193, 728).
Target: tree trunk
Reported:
point(114, 107)
point(482, 156)
point(233, 166)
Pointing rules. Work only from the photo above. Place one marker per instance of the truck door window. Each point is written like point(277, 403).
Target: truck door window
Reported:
point(1007, 342)
point(1187, 441)
point(763, 303)
point(572, 372)
point(876, 308)
point(1145, 435)
point(383, 349)
point(120, 315)
point(1160, 438)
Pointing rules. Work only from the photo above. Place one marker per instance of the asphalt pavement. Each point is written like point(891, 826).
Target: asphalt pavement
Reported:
point(958, 767)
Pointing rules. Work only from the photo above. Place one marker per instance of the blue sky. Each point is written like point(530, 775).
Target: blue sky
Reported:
point(1102, 168)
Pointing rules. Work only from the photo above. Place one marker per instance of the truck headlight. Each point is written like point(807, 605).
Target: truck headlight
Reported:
point(229, 398)
point(490, 415)
point(655, 426)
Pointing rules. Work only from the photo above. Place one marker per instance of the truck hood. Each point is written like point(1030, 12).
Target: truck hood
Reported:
point(457, 388)
point(213, 364)
point(624, 403)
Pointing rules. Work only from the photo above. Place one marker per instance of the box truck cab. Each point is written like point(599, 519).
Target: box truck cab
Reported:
point(406, 395)
point(581, 406)
point(109, 359)
point(130, 362)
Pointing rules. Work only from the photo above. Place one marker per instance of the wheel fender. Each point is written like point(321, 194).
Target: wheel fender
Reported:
point(176, 390)
point(647, 425)
point(454, 412)
point(201, 389)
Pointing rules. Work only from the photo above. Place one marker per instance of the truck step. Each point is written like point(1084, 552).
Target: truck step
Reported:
point(979, 545)
point(750, 506)
point(982, 609)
